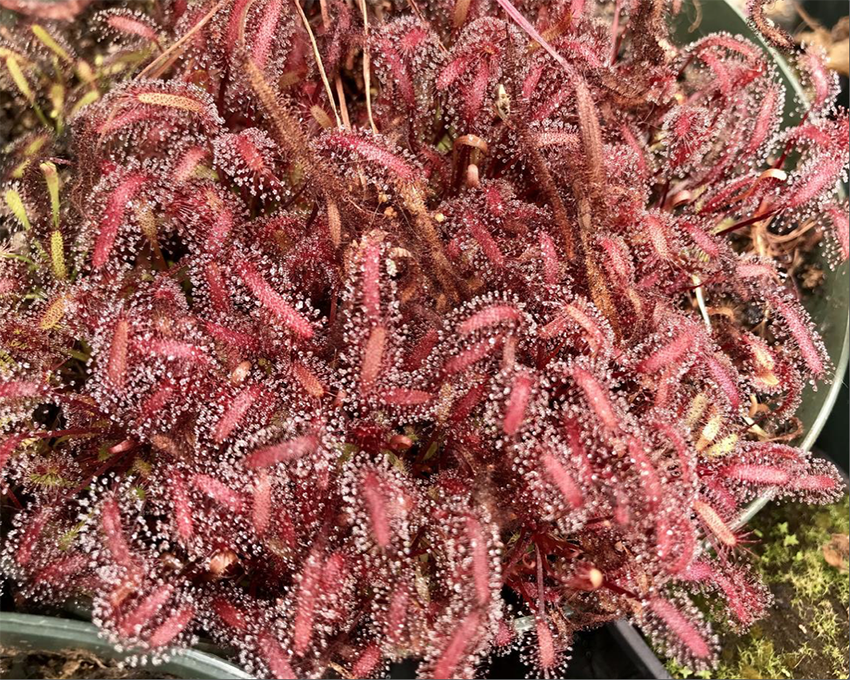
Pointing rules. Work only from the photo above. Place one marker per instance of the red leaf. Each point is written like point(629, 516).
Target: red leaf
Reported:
point(273, 301)
point(107, 230)
point(292, 449)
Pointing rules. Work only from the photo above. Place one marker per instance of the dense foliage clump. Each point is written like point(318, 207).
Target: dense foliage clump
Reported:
point(360, 332)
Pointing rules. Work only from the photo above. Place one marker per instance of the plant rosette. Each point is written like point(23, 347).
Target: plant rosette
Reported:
point(347, 333)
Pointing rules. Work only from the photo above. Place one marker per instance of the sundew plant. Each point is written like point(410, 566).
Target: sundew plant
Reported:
point(351, 332)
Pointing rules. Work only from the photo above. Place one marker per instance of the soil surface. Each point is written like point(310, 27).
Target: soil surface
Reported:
point(779, 641)
point(69, 663)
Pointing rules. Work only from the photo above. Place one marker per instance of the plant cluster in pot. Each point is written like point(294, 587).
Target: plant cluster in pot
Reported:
point(351, 333)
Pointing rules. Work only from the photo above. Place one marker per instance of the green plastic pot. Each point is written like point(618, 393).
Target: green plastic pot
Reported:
point(45, 633)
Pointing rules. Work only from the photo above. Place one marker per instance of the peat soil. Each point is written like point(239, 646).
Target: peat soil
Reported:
point(66, 664)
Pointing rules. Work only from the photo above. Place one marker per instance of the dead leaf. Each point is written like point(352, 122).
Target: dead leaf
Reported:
point(70, 668)
point(837, 551)
point(838, 57)
point(812, 277)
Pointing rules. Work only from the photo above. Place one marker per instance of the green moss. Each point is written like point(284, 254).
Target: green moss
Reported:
point(790, 559)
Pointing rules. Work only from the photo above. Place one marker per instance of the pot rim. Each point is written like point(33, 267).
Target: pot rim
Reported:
point(31, 631)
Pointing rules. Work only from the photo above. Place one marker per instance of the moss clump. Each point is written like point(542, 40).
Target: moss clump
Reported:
point(805, 635)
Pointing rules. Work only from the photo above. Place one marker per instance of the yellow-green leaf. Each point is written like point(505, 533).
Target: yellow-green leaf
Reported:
point(53, 314)
point(57, 254)
point(47, 40)
point(52, 179)
point(85, 100)
point(16, 205)
point(19, 78)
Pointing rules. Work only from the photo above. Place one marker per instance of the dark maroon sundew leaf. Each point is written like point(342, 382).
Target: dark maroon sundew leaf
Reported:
point(275, 657)
point(371, 296)
point(517, 405)
point(183, 516)
point(303, 627)
point(188, 163)
point(551, 264)
point(715, 523)
point(546, 655)
point(249, 158)
point(30, 536)
point(562, 480)
point(117, 363)
point(765, 475)
point(369, 661)
point(765, 125)
point(489, 316)
point(451, 659)
point(229, 613)
point(235, 411)
point(470, 356)
point(107, 230)
point(230, 336)
point(679, 630)
point(670, 353)
point(799, 326)
point(291, 449)
point(262, 39)
point(724, 41)
point(218, 491)
point(399, 72)
point(173, 626)
point(174, 349)
point(116, 541)
point(597, 397)
point(217, 288)
point(823, 82)
point(650, 481)
point(676, 545)
point(396, 615)
point(141, 615)
point(261, 504)
point(479, 231)
point(399, 396)
point(404, 51)
point(774, 34)
point(722, 375)
point(690, 131)
point(746, 597)
point(374, 151)
point(373, 495)
point(61, 571)
point(591, 134)
point(273, 301)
